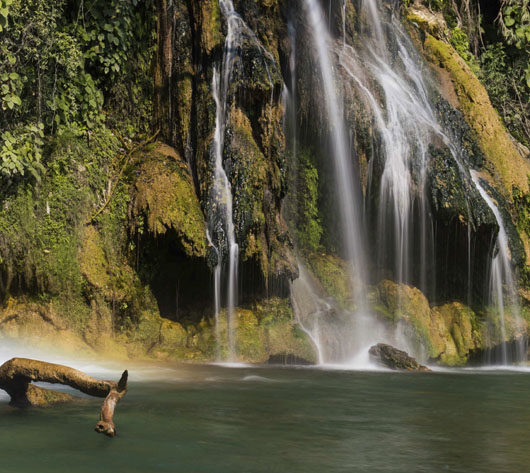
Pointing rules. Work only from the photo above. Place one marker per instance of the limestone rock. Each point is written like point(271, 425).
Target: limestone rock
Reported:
point(390, 357)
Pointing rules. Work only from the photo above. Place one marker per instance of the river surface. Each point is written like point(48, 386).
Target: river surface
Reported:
point(216, 419)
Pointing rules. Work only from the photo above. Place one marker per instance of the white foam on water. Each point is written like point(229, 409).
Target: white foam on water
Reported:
point(261, 379)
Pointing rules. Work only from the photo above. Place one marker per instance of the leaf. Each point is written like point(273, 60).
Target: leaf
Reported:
point(509, 21)
point(34, 173)
point(16, 99)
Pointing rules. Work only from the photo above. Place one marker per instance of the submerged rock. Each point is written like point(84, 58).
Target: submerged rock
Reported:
point(390, 357)
point(288, 359)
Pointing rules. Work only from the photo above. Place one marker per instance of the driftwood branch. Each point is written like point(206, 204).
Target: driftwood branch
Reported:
point(106, 422)
point(16, 376)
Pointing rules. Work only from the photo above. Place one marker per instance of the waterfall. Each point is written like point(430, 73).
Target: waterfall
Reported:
point(502, 287)
point(405, 126)
point(221, 228)
point(347, 188)
point(309, 310)
point(220, 218)
point(386, 72)
point(344, 336)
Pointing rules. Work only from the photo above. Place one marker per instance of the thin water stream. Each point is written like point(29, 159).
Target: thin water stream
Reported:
point(221, 192)
point(502, 287)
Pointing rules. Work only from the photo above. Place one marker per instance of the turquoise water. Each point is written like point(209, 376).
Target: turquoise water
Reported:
point(216, 419)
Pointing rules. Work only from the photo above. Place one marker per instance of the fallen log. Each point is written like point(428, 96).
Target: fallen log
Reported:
point(17, 374)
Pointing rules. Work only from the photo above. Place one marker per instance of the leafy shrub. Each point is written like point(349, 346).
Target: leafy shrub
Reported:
point(21, 151)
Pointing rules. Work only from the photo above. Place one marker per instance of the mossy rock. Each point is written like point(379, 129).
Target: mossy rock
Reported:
point(503, 159)
point(449, 332)
point(264, 329)
point(427, 20)
point(164, 192)
point(408, 304)
point(516, 325)
point(94, 265)
point(461, 331)
point(334, 275)
point(211, 27)
point(156, 337)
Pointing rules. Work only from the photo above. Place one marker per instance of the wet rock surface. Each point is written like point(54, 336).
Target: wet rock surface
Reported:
point(390, 357)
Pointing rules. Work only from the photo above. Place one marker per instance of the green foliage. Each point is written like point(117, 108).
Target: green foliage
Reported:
point(501, 73)
point(10, 88)
point(460, 42)
point(21, 151)
point(118, 39)
point(4, 13)
point(41, 226)
point(515, 27)
point(61, 61)
point(107, 34)
point(308, 227)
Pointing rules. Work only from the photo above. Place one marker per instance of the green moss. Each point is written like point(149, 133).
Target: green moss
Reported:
point(334, 275)
point(426, 20)
point(41, 227)
point(249, 182)
point(184, 104)
point(263, 329)
point(464, 327)
point(504, 161)
point(164, 192)
point(93, 261)
point(449, 332)
point(211, 25)
point(308, 226)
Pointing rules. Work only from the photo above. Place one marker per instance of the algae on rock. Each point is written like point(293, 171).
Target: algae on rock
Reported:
point(165, 194)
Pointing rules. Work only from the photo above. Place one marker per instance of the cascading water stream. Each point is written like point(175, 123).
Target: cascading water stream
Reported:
point(347, 189)
point(309, 309)
point(405, 123)
point(221, 229)
point(386, 71)
point(502, 287)
point(347, 337)
point(221, 192)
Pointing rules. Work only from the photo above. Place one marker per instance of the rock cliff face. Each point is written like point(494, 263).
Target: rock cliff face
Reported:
point(191, 43)
point(140, 261)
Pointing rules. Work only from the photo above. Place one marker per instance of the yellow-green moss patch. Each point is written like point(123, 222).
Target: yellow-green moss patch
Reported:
point(504, 161)
point(164, 192)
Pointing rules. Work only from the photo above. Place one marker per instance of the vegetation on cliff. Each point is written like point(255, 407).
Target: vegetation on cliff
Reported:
point(106, 129)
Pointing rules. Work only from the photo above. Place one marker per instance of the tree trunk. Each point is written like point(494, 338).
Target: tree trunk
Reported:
point(17, 374)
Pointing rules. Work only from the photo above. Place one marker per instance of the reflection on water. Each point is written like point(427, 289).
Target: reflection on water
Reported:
point(215, 419)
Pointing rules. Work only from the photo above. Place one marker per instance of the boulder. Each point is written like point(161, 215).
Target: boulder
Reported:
point(390, 357)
